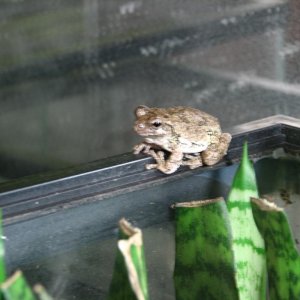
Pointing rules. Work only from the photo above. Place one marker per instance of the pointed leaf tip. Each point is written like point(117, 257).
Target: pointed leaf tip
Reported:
point(16, 287)
point(245, 151)
point(244, 178)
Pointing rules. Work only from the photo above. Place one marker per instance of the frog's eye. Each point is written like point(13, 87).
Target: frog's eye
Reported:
point(156, 123)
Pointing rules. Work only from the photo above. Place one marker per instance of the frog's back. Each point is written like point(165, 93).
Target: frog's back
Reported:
point(194, 121)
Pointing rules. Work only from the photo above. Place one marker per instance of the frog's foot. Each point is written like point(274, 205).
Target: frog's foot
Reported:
point(142, 147)
point(167, 166)
point(216, 151)
point(193, 161)
point(158, 156)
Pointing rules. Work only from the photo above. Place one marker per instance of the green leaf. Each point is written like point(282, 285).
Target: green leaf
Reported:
point(2, 252)
point(16, 288)
point(283, 260)
point(130, 275)
point(204, 266)
point(248, 244)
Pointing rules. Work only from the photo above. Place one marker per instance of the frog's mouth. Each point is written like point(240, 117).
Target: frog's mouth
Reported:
point(148, 133)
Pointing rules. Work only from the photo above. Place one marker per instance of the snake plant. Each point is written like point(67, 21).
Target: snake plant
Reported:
point(283, 260)
point(204, 261)
point(129, 280)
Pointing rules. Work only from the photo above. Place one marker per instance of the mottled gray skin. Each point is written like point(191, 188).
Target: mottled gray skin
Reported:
point(191, 136)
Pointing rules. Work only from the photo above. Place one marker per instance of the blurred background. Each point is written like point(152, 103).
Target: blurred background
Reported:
point(72, 72)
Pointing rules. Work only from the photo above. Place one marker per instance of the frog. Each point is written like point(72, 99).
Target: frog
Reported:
point(179, 136)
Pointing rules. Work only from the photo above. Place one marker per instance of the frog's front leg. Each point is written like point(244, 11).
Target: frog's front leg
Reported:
point(167, 166)
point(142, 147)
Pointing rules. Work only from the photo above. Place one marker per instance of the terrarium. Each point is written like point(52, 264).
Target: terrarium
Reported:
point(71, 77)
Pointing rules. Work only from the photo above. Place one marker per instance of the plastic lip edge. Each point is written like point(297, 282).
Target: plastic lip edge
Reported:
point(129, 174)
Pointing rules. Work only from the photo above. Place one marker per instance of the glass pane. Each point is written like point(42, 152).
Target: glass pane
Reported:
point(71, 74)
point(72, 251)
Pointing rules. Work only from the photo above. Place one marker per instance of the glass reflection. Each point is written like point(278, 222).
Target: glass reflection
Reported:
point(72, 74)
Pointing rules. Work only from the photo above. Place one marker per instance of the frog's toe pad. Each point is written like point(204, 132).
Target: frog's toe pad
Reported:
point(151, 166)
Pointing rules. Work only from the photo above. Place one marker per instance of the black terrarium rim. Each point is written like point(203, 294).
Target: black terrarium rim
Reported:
point(36, 196)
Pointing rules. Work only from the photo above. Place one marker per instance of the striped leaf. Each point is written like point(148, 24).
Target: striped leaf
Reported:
point(16, 288)
point(248, 244)
point(2, 252)
point(204, 266)
point(129, 280)
point(283, 260)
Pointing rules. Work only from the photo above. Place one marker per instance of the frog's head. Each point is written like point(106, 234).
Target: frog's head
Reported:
point(151, 121)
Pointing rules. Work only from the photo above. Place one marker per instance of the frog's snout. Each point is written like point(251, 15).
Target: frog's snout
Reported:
point(139, 127)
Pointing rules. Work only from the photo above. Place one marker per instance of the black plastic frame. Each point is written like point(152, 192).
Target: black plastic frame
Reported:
point(44, 194)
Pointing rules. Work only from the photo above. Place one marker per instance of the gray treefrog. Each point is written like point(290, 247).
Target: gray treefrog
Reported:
point(190, 136)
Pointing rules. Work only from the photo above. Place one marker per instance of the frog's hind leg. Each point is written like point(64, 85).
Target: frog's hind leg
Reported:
point(215, 152)
point(192, 161)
